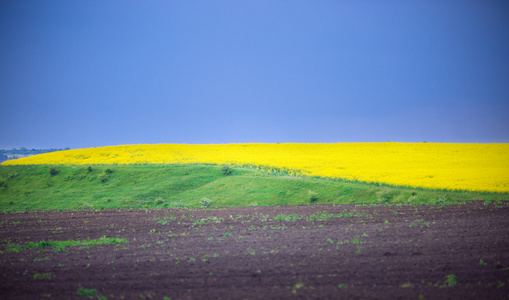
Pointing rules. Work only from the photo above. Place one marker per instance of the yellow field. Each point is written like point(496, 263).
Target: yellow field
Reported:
point(475, 167)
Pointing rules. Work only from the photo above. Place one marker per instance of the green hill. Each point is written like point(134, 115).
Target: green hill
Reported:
point(158, 186)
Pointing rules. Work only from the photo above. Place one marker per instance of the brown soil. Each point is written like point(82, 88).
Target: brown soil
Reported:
point(404, 252)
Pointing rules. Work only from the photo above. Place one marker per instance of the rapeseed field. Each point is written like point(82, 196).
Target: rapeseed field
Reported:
point(472, 167)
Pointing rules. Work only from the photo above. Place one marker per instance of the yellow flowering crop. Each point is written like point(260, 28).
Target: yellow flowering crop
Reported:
point(475, 167)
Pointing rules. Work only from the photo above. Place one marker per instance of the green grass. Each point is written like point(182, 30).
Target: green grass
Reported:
point(90, 293)
point(161, 186)
point(63, 244)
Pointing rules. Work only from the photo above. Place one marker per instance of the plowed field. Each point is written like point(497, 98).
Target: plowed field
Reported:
point(305, 252)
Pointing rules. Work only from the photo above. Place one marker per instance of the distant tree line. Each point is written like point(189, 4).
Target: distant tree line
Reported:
point(22, 152)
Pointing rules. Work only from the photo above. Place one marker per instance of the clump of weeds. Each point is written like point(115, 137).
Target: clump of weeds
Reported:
point(289, 218)
point(450, 281)
point(43, 275)
point(166, 219)
point(205, 202)
point(422, 223)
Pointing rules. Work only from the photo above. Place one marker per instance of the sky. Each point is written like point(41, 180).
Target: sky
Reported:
point(93, 73)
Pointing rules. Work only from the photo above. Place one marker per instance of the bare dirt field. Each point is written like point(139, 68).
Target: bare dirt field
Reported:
point(302, 252)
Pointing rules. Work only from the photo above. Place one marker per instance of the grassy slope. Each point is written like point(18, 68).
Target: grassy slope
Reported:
point(148, 186)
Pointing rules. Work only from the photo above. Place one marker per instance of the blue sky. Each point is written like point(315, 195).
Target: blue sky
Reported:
point(95, 73)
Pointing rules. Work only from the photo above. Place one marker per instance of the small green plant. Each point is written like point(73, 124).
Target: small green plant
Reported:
point(313, 196)
point(166, 219)
point(324, 216)
point(43, 276)
point(283, 227)
point(53, 171)
point(298, 285)
point(226, 170)
point(103, 177)
point(208, 220)
point(90, 293)
point(60, 248)
point(41, 259)
point(416, 222)
point(450, 280)
point(289, 218)
point(205, 202)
